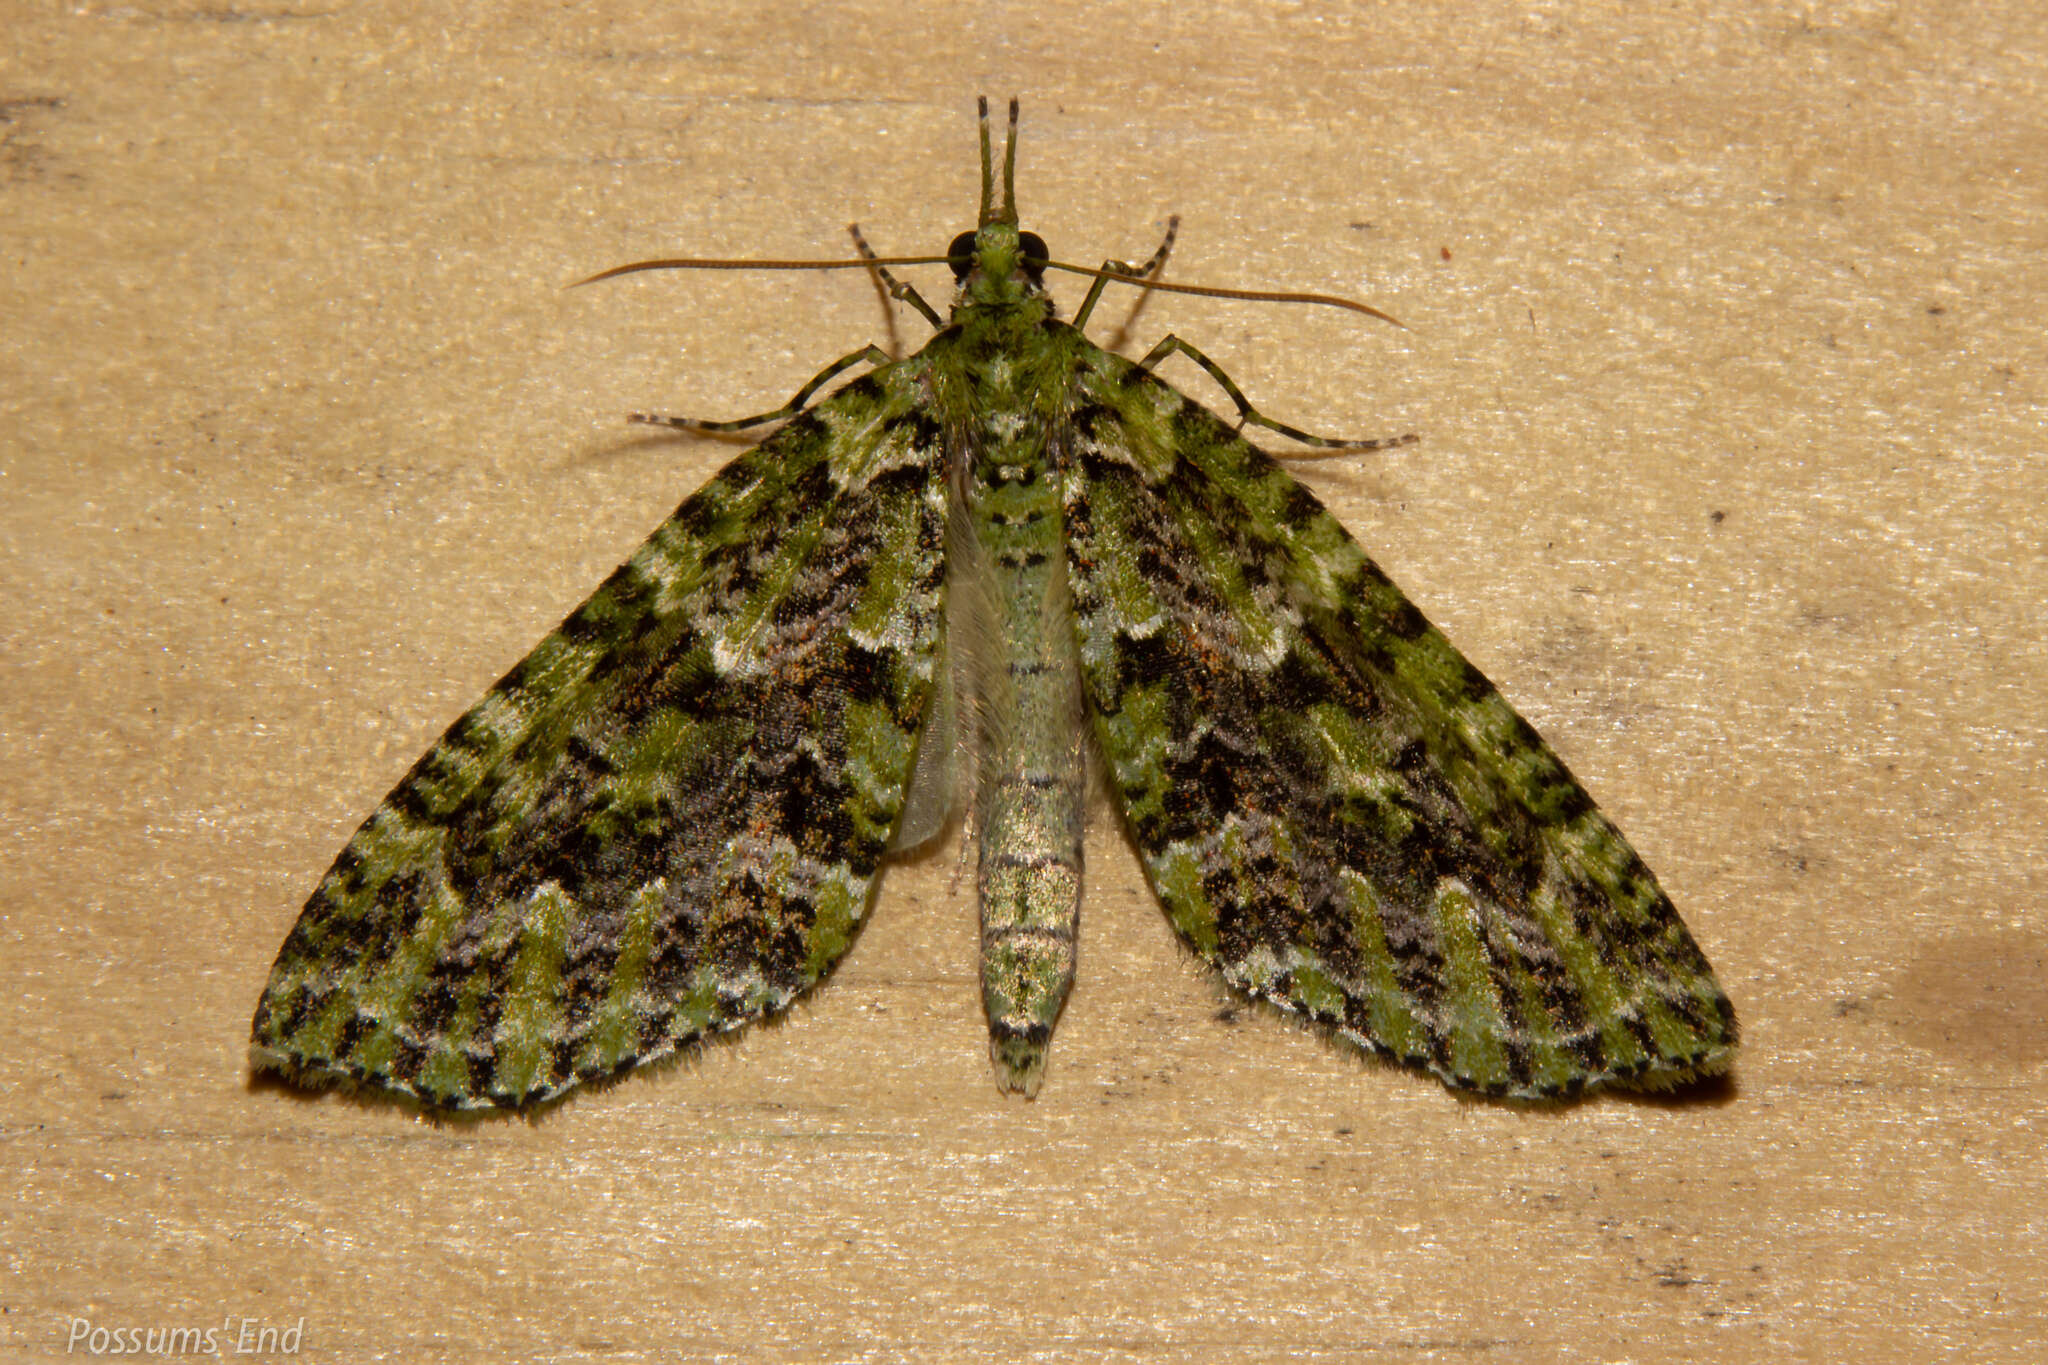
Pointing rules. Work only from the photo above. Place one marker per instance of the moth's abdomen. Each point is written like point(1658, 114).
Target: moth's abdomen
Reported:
point(1032, 781)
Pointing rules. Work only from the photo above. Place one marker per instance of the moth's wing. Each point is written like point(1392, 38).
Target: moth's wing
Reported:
point(1335, 807)
point(666, 820)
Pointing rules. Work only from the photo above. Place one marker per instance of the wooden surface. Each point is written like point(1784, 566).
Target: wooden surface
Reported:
point(1726, 349)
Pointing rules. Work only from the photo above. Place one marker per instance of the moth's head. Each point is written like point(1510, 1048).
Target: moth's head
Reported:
point(996, 264)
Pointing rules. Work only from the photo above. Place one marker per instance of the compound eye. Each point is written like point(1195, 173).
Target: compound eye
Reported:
point(1034, 251)
point(960, 255)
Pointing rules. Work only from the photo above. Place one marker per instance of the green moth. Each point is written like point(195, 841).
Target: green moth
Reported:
point(956, 582)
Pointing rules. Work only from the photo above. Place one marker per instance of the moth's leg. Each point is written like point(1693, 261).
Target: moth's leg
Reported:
point(881, 279)
point(873, 355)
point(1247, 413)
point(897, 289)
point(1152, 266)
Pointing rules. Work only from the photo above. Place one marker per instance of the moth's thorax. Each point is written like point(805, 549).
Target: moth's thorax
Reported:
point(1002, 362)
point(1006, 399)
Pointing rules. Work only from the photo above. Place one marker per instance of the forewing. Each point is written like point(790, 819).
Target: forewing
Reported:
point(667, 819)
point(1335, 807)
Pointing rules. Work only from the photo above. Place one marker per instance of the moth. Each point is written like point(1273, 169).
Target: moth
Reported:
point(956, 582)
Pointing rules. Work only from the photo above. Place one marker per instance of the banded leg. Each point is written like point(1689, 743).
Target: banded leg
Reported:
point(892, 286)
point(1247, 413)
point(1154, 263)
point(873, 355)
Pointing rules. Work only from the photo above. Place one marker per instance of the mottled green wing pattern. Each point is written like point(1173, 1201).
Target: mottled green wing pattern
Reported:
point(1335, 807)
point(666, 820)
